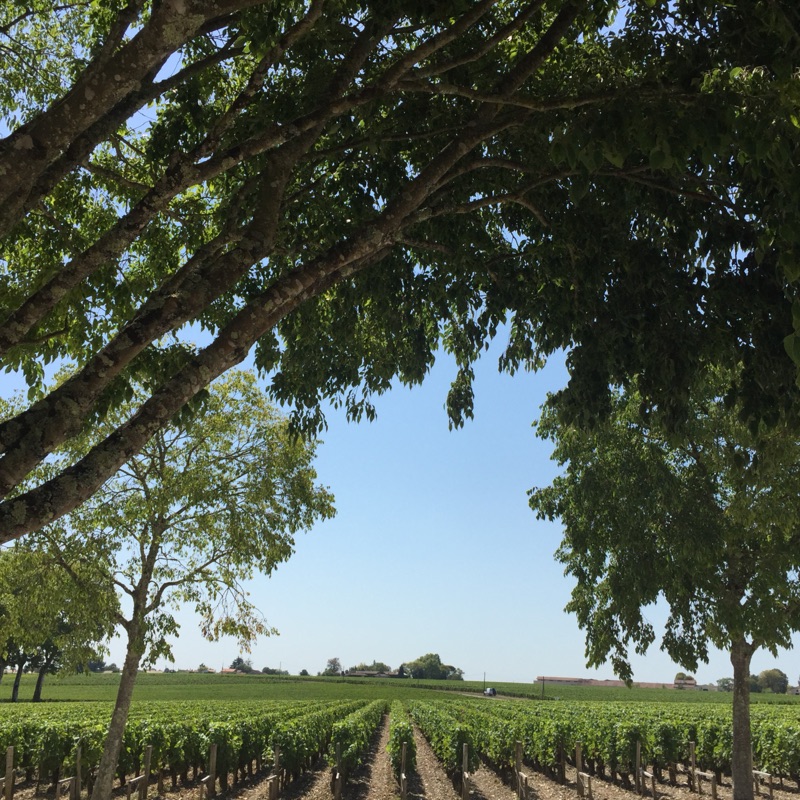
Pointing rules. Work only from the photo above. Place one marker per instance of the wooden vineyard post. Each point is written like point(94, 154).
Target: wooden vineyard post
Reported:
point(145, 784)
point(208, 780)
point(8, 784)
point(403, 781)
point(692, 767)
point(522, 778)
point(212, 768)
point(69, 784)
point(78, 786)
point(583, 781)
point(757, 778)
point(134, 783)
point(276, 761)
point(637, 776)
point(465, 773)
point(711, 778)
point(337, 792)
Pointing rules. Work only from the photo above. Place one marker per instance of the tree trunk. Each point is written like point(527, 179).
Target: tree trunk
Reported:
point(37, 692)
point(17, 679)
point(108, 761)
point(742, 753)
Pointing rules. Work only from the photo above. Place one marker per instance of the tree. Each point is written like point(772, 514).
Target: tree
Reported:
point(242, 664)
point(707, 521)
point(308, 179)
point(773, 680)
point(430, 667)
point(725, 685)
point(206, 503)
point(333, 667)
point(46, 622)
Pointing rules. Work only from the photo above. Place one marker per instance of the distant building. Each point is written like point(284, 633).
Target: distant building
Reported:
point(558, 680)
point(564, 681)
point(364, 673)
point(685, 683)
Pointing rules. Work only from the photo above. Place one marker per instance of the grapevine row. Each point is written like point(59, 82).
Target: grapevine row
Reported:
point(180, 736)
point(609, 734)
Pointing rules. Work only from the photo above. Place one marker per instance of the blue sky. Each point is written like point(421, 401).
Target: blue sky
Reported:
point(433, 549)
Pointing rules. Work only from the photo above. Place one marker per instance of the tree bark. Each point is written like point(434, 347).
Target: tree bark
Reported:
point(37, 692)
point(108, 761)
point(17, 679)
point(742, 753)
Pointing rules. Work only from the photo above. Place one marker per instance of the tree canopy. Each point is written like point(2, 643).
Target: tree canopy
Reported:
point(307, 179)
point(47, 622)
point(430, 667)
point(708, 522)
point(774, 680)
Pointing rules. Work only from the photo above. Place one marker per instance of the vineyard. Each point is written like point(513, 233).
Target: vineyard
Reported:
point(252, 738)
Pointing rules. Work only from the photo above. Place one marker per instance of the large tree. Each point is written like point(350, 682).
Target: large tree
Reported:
point(313, 178)
point(708, 522)
point(208, 503)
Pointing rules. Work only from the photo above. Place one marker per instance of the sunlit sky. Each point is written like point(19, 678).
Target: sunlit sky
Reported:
point(434, 549)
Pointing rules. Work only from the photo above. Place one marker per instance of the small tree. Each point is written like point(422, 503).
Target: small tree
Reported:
point(333, 667)
point(205, 504)
point(725, 685)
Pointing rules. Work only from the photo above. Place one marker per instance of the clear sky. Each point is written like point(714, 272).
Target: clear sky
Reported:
point(434, 549)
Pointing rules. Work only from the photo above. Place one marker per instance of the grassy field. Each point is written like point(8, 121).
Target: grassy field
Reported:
point(191, 686)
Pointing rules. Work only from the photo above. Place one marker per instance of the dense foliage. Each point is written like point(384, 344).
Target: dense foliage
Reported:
point(401, 732)
point(306, 179)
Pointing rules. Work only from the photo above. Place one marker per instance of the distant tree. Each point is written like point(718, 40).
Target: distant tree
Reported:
point(202, 668)
point(430, 667)
point(333, 667)
point(96, 665)
point(680, 676)
point(46, 622)
point(273, 671)
point(242, 665)
point(725, 685)
point(773, 680)
point(754, 685)
point(304, 673)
